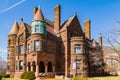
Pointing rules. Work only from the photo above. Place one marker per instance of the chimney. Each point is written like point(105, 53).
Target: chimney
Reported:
point(87, 29)
point(35, 10)
point(100, 40)
point(57, 18)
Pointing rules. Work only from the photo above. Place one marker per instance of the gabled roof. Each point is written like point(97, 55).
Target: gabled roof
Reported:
point(66, 23)
point(38, 15)
point(14, 29)
point(70, 21)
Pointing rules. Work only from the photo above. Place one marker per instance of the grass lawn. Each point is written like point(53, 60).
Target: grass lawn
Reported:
point(78, 78)
point(91, 78)
point(105, 78)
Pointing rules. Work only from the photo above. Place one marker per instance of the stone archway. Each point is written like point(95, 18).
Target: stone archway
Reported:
point(34, 66)
point(29, 67)
point(50, 67)
point(41, 67)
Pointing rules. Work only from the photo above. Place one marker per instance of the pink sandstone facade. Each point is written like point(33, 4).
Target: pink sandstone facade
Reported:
point(53, 48)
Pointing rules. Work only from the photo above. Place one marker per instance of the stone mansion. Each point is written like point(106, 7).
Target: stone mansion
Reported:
point(53, 48)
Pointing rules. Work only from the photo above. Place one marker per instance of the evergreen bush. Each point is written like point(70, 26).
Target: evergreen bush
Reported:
point(28, 75)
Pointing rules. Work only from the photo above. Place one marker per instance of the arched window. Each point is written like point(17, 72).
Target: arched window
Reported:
point(50, 68)
point(41, 67)
point(21, 65)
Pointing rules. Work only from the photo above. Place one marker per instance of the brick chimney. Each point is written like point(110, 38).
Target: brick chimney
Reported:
point(57, 18)
point(35, 10)
point(100, 40)
point(87, 29)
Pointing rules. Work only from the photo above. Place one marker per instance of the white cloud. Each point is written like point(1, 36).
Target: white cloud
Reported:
point(14, 5)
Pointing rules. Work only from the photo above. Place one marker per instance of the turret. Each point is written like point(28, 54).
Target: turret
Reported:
point(38, 23)
point(11, 48)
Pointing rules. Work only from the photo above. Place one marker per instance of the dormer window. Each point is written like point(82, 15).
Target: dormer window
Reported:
point(77, 49)
point(36, 28)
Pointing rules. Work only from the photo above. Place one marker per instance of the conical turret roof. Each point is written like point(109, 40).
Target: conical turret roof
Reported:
point(14, 29)
point(38, 15)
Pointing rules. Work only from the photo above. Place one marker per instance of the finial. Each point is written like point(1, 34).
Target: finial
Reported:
point(21, 19)
point(15, 20)
point(39, 6)
point(100, 34)
point(75, 13)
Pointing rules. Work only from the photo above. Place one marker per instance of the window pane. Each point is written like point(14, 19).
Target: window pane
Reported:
point(36, 45)
point(36, 28)
point(8, 53)
point(21, 65)
point(78, 48)
point(21, 49)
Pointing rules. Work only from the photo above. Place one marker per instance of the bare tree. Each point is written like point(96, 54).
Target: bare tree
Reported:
point(112, 39)
point(3, 66)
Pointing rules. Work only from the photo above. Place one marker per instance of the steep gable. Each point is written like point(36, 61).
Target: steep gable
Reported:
point(73, 25)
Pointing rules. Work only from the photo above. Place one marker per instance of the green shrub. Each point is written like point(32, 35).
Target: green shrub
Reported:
point(28, 75)
point(80, 78)
point(5, 75)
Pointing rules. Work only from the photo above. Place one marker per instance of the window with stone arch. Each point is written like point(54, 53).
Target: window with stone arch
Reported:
point(21, 65)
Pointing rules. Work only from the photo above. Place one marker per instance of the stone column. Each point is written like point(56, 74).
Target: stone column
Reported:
point(53, 68)
point(32, 68)
point(46, 69)
point(27, 68)
point(37, 70)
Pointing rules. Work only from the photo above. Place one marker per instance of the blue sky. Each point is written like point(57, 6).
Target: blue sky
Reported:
point(102, 13)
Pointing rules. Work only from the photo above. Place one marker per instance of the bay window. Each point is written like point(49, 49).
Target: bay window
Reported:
point(36, 45)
